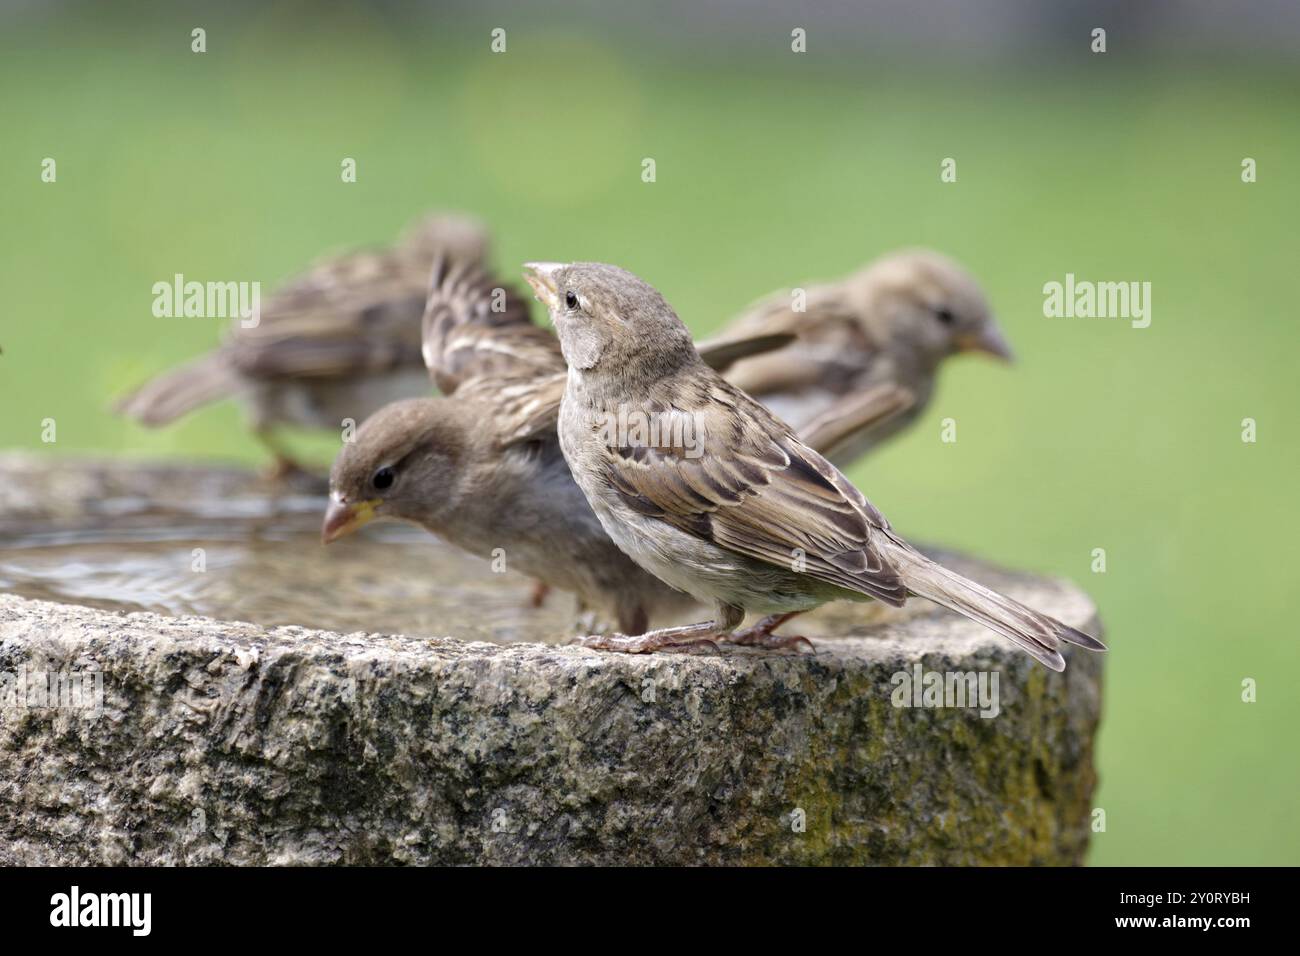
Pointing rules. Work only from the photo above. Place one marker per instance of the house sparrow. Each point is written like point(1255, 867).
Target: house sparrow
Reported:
point(340, 341)
point(884, 330)
point(481, 467)
point(454, 467)
point(748, 517)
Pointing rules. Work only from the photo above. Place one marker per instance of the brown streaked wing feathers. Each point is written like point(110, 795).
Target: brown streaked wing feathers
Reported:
point(757, 490)
point(854, 414)
point(527, 407)
point(828, 318)
point(826, 308)
point(465, 339)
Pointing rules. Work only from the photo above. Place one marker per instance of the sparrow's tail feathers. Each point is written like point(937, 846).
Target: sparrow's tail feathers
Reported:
point(1039, 635)
point(183, 389)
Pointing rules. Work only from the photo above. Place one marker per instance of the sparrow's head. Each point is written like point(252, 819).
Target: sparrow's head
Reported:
point(607, 318)
point(404, 462)
point(923, 300)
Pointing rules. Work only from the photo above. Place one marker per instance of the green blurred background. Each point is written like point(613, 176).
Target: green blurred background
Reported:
point(773, 169)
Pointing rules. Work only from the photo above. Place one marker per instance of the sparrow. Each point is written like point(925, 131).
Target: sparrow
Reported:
point(747, 517)
point(455, 467)
point(480, 465)
point(338, 342)
point(869, 345)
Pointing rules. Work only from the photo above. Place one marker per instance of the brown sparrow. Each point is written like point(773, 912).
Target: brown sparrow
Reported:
point(723, 501)
point(338, 342)
point(867, 346)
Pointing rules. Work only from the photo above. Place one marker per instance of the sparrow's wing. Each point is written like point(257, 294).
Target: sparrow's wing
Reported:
point(352, 314)
point(854, 414)
point(745, 483)
point(319, 357)
point(729, 473)
point(832, 344)
point(777, 312)
point(527, 407)
point(475, 327)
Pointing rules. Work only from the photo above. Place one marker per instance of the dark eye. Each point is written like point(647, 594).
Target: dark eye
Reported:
point(945, 316)
point(570, 300)
point(383, 478)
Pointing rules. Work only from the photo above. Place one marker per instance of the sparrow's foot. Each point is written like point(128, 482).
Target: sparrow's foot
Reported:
point(538, 596)
point(760, 635)
point(691, 638)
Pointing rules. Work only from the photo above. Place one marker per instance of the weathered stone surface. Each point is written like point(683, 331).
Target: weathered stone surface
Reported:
point(230, 743)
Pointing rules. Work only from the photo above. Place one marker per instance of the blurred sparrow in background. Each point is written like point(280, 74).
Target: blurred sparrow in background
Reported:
point(867, 347)
point(338, 342)
point(755, 520)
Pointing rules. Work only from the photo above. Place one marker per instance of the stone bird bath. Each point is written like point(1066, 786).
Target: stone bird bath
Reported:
point(187, 677)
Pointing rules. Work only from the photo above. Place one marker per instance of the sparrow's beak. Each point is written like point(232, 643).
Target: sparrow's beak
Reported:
point(541, 276)
point(344, 517)
point(989, 340)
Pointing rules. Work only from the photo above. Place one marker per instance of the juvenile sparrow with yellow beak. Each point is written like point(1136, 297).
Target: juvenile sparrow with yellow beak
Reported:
point(747, 517)
point(873, 340)
point(338, 342)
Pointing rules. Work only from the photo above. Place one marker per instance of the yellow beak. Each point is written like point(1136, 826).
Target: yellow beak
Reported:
point(342, 517)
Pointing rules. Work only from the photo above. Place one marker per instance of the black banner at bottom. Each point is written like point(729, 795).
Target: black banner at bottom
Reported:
point(339, 906)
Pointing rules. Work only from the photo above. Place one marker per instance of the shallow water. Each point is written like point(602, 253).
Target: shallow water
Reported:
point(124, 537)
point(262, 562)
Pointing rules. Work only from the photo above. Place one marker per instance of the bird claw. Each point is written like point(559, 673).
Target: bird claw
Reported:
point(758, 637)
point(760, 634)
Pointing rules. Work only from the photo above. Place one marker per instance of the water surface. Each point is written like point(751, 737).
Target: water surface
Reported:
point(223, 544)
point(259, 559)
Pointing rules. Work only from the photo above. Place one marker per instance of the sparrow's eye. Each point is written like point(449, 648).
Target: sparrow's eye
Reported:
point(945, 316)
point(383, 478)
point(570, 299)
